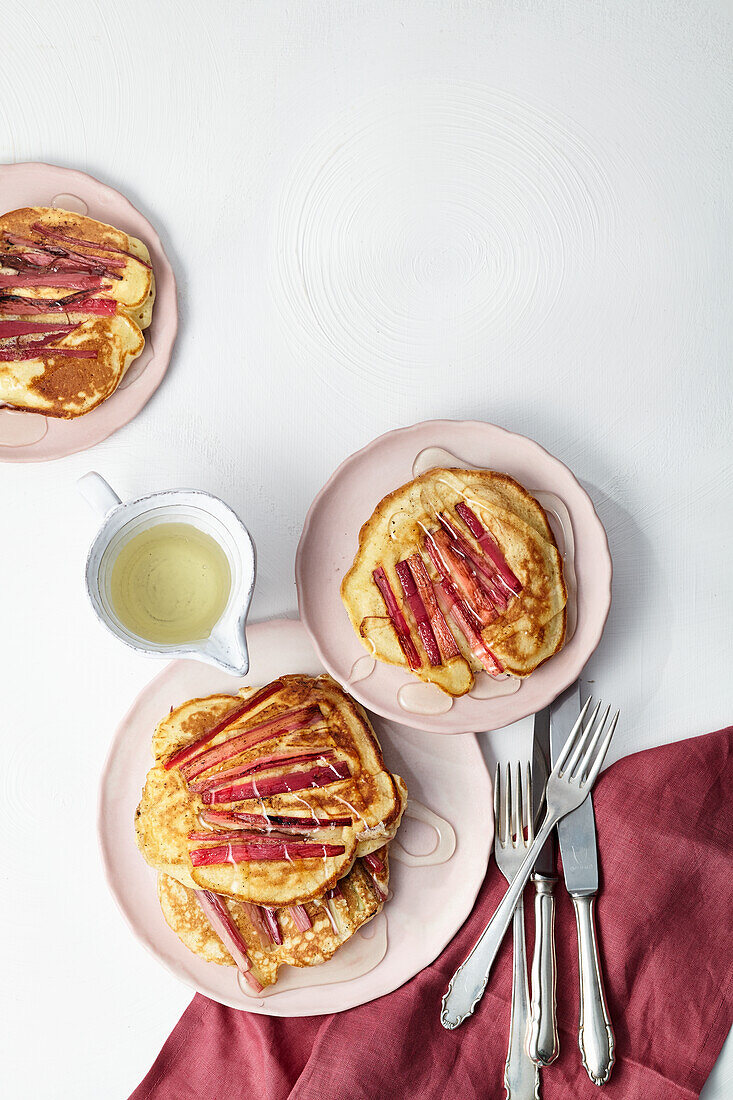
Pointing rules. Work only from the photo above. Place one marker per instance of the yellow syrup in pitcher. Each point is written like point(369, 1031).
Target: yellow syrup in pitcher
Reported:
point(170, 584)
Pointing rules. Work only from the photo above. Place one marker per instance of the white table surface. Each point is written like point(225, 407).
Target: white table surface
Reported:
point(378, 213)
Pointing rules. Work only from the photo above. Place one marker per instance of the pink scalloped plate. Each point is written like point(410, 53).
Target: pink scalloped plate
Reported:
point(330, 538)
point(429, 902)
point(30, 437)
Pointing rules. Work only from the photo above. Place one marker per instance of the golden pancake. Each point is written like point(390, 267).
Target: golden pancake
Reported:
point(88, 281)
point(335, 739)
point(520, 628)
point(333, 922)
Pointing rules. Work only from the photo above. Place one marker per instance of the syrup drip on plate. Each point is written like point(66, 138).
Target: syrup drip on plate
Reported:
point(491, 687)
point(21, 429)
point(445, 844)
point(70, 202)
point(420, 698)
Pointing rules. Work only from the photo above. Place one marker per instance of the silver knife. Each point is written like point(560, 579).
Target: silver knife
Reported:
point(577, 836)
point(542, 1040)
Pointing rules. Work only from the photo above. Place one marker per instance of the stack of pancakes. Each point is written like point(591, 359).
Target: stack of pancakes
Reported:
point(75, 297)
point(486, 546)
point(268, 817)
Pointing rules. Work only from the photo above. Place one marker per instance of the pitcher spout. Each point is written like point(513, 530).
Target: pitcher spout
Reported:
point(227, 648)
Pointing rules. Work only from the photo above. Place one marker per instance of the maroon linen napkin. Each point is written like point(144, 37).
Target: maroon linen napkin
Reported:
point(665, 831)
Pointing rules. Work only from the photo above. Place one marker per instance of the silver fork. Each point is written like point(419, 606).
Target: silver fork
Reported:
point(569, 783)
point(513, 814)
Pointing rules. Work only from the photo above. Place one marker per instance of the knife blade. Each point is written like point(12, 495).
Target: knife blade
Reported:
point(577, 831)
point(577, 836)
point(542, 1039)
point(546, 864)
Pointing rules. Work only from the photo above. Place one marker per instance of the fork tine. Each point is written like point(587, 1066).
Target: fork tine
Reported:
point(571, 739)
point(528, 807)
point(589, 754)
point(582, 743)
point(497, 802)
point(509, 808)
point(601, 753)
point(517, 807)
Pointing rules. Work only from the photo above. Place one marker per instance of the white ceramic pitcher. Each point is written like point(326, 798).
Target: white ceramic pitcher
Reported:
point(226, 646)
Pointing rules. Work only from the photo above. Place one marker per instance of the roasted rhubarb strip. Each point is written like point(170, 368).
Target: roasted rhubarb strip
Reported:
point(256, 919)
point(483, 569)
point(457, 609)
point(38, 227)
point(441, 630)
point(184, 754)
point(239, 820)
point(269, 918)
point(374, 863)
point(278, 759)
point(220, 920)
point(414, 601)
point(301, 920)
point(258, 852)
point(29, 328)
point(18, 355)
point(489, 546)
point(277, 784)
point(55, 253)
point(397, 618)
point(287, 722)
point(19, 306)
point(335, 892)
point(441, 564)
point(214, 836)
point(377, 888)
point(462, 577)
point(52, 279)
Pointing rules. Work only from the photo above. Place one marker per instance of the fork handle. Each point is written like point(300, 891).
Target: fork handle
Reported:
point(595, 1036)
point(467, 985)
point(542, 1041)
point(521, 1076)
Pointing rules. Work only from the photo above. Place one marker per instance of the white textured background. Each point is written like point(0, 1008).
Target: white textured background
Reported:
point(378, 213)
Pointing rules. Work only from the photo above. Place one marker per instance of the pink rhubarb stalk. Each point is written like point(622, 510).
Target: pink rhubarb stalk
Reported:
point(278, 759)
point(42, 351)
point(397, 618)
point(38, 227)
point(441, 630)
point(482, 569)
point(278, 784)
point(19, 306)
point(256, 851)
point(221, 921)
point(239, 820)
point(414, 601)
point(489, 546)
point(453, 569)
point(458, 611)
point(286, 722)
point(374, 863)
point(29, 328)
point(184, 754)
point(301, 920)
point(52, 279)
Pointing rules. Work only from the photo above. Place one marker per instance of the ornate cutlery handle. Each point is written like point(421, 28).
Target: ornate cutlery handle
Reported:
point(467, 985)
point(521, 1076)
point(542, 1041)
point(595, 1038)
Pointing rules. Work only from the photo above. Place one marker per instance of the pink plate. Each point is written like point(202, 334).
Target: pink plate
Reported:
point(30, 437)
point(430, 901)
point(330, 538)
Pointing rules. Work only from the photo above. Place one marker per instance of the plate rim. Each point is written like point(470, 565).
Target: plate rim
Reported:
point(276, 625)
point(434, 724)
point(26, 453)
